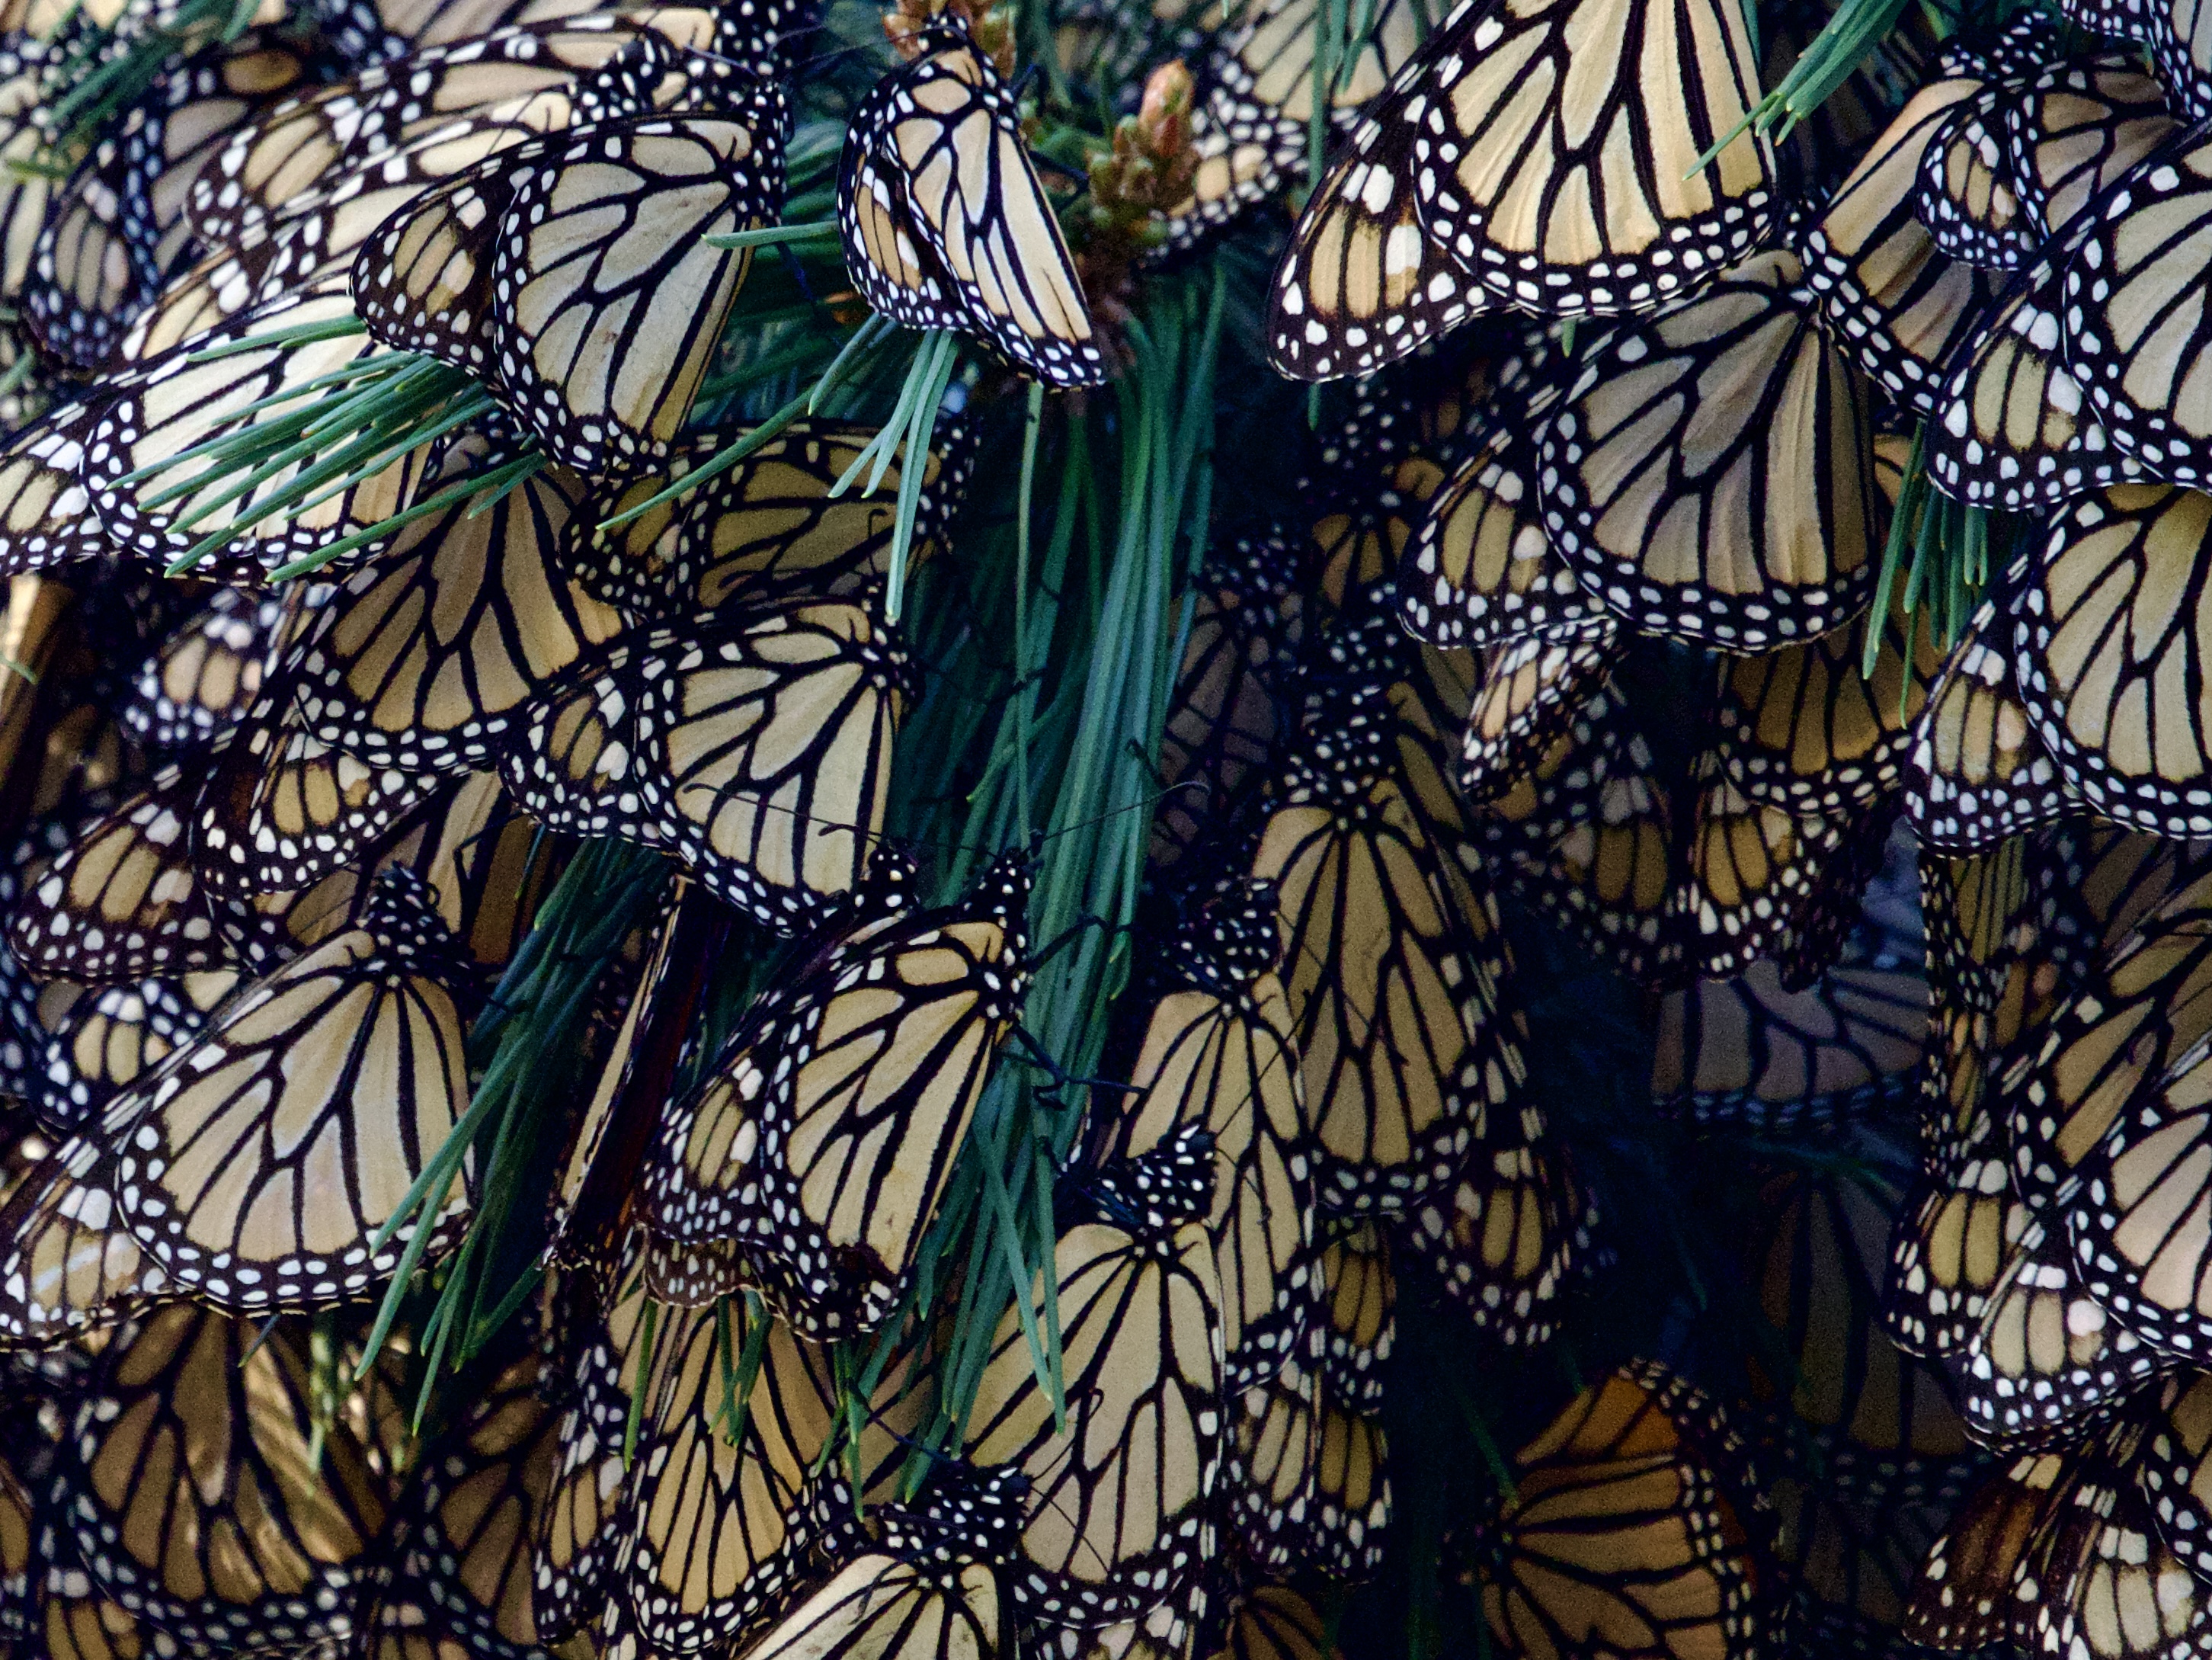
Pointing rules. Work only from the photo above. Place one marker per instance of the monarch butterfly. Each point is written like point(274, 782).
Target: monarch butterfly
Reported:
point(2100, 886)
point(1749, 1050)
point(1978, 772)
point(157, 409)
point(1898, 304)
point(1984, 1576)
point(281, 810)
point(1513, 1227)
point(115, 231)
point(1532, 690)
point(192, 1426)
point(501, 249)
point(73, 1617)
point(1347, 552)
point(823, 1140)
point(757, 746)
point(1349, 1505)
point(206, 675)
point(1964, 1220)
point(66, 1266)
point(23, 191)
point(1670, 871)
point(1976, 197)
point(2084, 126)
point(945, 223)
point(1364, 283)
point(1806, 729)
point(1634, 1513)
point(608, 1140)
point(2129, 337)
point(433, 649)
point(1855, 1575)
point(2126, 1593)
point(375, 31)
point(1359, 1298)
point(122, 900)
point(1250, 131)
point(1216, 1052)
point(274, 161)
point(2180, 38)
point(1245, 154)
point(929, 1589)
point(486, 863)
point(1274, 1622)
point(766, 529)
point(1392, 993)
point(2060, 1552)
point(1267, 1468)
point(46, 513)
point(2135, 1009)
point(456, 1570)
point(2013, 428)
point(321, 231)
point(2134, 1246)
point(709, 1523)
point(1854, 1563)
point(16, 1526)
point(2002, 949)
point(625, 1362)
point(1432, 696)
point(598, 1335)
point(2045, 1357)
point(2172, 1454)
point(1502, 202)
point(2099, 632)
point(1646, 458)
point(1816, 1257)
point(258, 1163)
point(2020, 48)
point(1140, 1339)
point(1483, 569)
point(109, 1037)
point(717, 1531)
point(1227, 714)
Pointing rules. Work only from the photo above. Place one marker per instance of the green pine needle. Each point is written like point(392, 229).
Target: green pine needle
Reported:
point(944, 355)
point(1851, 35)
point(1912, 490)
point(721, 462)
point(768, 235)
point(648, 1337)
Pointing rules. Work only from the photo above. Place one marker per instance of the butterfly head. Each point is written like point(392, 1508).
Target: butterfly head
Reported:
point(1152, 1194)
point(963, 1515)
point(1230, 939)
point(402, 913)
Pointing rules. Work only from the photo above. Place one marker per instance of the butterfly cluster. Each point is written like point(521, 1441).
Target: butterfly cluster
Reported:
point(1114, 831)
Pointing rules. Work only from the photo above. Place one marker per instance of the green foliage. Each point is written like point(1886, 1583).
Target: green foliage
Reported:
point(1940, 549)
point(525, 1051)
point(1067, 730)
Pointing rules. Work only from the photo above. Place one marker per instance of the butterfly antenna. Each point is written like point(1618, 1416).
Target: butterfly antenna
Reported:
point(796, 270)
point(1062, 1079)
point(259, 1338)
point(822, 59)
point(1067, 937)
point(1143, 803)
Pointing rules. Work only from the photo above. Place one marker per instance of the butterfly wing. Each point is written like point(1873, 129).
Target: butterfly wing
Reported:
point(607, 300)
point(947, 135)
